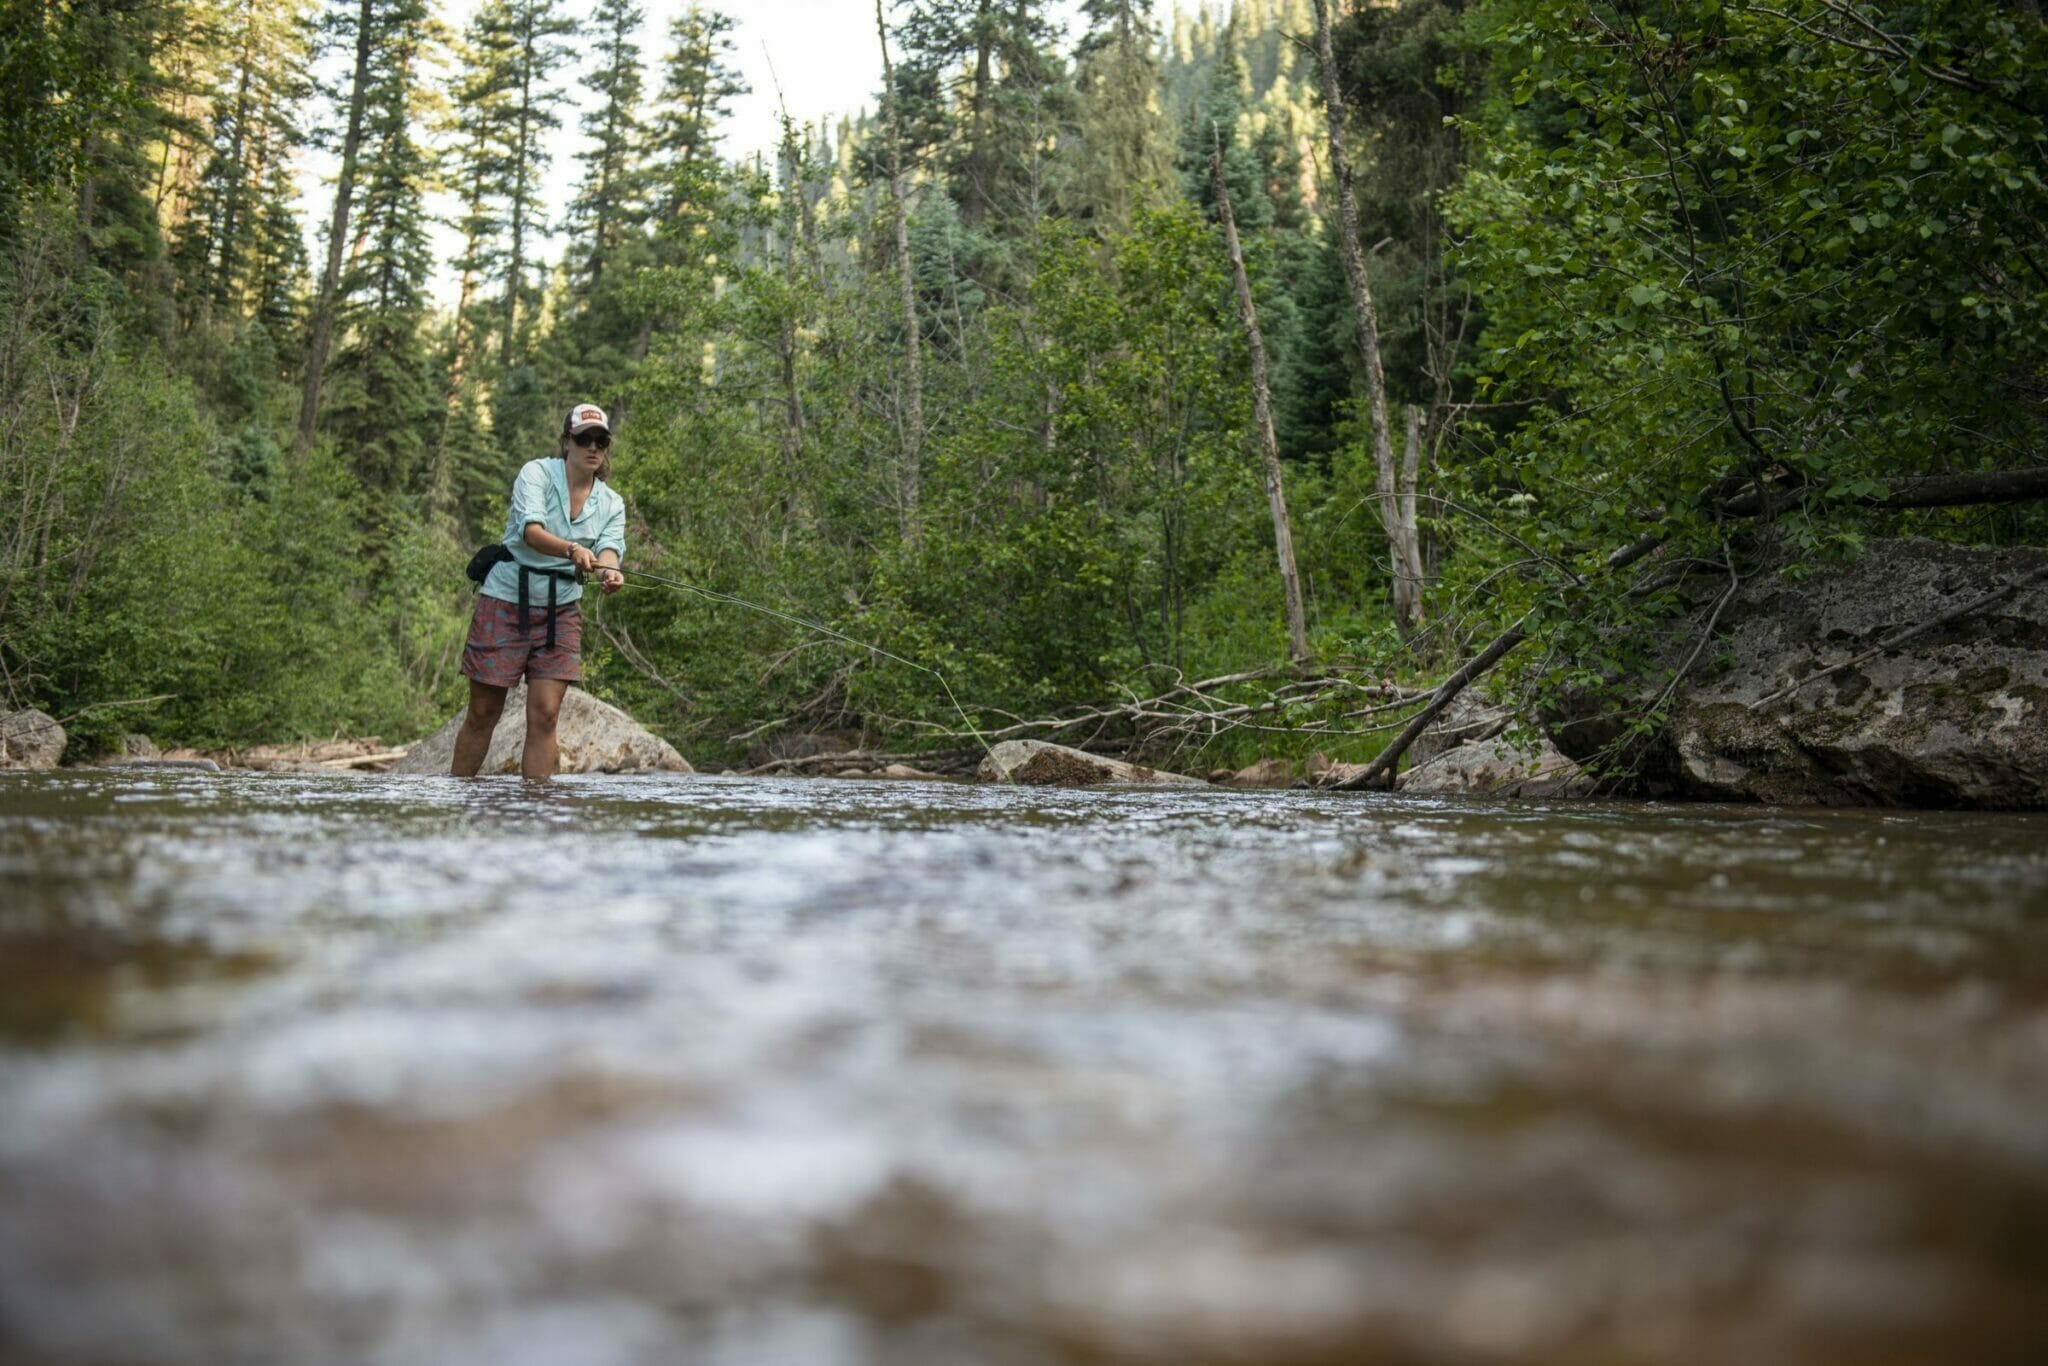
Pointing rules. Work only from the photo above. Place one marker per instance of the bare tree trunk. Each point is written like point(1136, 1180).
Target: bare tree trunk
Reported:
point(912, 414)
point(224, 277)
point(1408, 582)
point(1367, 319)
point(337, 234)
point(1262, 414)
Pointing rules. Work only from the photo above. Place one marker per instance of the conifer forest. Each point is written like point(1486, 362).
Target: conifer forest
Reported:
point(1218, 378)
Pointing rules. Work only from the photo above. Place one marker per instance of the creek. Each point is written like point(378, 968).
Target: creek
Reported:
point(660, 1069)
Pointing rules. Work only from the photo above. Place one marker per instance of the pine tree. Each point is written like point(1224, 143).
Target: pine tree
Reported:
point(252, 134)
point(1123, 158)
point(520, 46)
point(368, 29)
point(982, 92)
point(475, 164)
point(698, 85)
point(382, 409)
point(610, 204)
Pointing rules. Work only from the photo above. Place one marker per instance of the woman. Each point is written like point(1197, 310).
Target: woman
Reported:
point(565, 520)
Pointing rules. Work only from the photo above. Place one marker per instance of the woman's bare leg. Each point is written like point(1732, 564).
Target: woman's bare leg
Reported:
point(473, 741)
point(543, 709)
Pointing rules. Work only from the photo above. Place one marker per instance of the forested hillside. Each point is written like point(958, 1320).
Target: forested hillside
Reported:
point(1566, 301)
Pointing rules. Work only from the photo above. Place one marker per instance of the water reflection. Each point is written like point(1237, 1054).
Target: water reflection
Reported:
point(656, 1069)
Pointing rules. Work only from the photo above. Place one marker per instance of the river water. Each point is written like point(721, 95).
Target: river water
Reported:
point(689, 1069)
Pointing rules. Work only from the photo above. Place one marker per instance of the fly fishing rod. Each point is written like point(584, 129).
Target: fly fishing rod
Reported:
point(714, 595)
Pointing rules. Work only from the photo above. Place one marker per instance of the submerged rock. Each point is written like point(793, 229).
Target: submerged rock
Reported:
point(1955, 716)
point(594, 737)
point(138, 747)
point(1267, 772)
point(201, 765)
point(30, 739)
point(1038, 763)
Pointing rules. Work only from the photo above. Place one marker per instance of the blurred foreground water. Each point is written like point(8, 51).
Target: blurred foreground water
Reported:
point(309, 1069)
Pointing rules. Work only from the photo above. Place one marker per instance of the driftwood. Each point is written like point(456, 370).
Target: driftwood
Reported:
point(960, 760)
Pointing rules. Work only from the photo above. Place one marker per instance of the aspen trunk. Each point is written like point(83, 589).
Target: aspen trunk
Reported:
point(1262, 417)
point(1408, 582)
point(912, 414)
point(1407, 613)
point(337, 234)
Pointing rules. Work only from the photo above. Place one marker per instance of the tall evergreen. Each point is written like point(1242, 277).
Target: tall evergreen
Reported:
point(368, 30)
point(1123, 156)
point(699, 83)
point(252, 133)
point(610, 203)
point(382, 406)
point(519, 46)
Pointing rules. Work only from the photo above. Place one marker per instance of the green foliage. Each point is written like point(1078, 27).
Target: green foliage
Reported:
point(1633, 259)
point(1725, 243)
point(153, 564)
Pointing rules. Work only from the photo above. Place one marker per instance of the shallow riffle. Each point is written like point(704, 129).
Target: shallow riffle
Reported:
point(310, 1068)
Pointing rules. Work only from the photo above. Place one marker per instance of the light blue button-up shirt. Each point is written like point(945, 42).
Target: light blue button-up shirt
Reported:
point(541, 494)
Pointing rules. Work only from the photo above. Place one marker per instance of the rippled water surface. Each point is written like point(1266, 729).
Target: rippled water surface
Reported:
point(310, 1069)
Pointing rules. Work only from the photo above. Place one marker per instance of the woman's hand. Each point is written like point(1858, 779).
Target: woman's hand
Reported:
point(580, 556)
point(609, 579)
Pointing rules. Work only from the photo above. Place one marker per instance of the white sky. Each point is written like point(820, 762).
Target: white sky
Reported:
point(823, 52)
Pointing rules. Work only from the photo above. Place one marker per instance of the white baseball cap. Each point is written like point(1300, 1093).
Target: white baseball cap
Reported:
point(584, 416)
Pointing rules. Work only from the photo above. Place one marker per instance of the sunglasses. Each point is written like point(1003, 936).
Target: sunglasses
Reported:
point(599, 438)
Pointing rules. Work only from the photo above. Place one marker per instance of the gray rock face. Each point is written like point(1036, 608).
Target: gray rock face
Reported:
point(593, 736)
point(30, 739)
point(1037, 763)
point(1471, 717)
point(1956, 716)
point(1499, 769)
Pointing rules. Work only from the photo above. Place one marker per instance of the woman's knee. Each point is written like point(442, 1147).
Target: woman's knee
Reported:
point(542, 712)
point(486, 705)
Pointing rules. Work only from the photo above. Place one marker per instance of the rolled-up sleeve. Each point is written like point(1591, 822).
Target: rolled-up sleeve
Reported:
point(612, 535)
point(529, 497)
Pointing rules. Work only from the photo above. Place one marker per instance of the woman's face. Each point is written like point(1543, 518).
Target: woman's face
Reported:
point(588, 458)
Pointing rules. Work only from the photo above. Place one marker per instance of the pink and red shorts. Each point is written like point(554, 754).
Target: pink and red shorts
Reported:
point(499, 654)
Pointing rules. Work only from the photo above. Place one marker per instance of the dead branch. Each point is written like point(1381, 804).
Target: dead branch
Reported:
point(937, 760)
point(1446, 692)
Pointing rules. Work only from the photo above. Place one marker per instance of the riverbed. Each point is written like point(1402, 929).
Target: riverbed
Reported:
point(712, 1070)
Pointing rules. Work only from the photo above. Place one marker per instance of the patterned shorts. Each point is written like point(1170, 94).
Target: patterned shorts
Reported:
point(499, 654)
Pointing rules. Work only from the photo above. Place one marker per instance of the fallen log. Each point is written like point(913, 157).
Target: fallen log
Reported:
point(1920, 491)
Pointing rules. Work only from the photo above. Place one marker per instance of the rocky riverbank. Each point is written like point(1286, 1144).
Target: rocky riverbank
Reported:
point(1916, 675)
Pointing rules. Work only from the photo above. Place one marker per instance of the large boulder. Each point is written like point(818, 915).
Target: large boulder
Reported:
point(30, 739)
point(1471, 717)
point(593, 736)
point(1498, 768)
point(1955, 716)
point(1041, 764)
